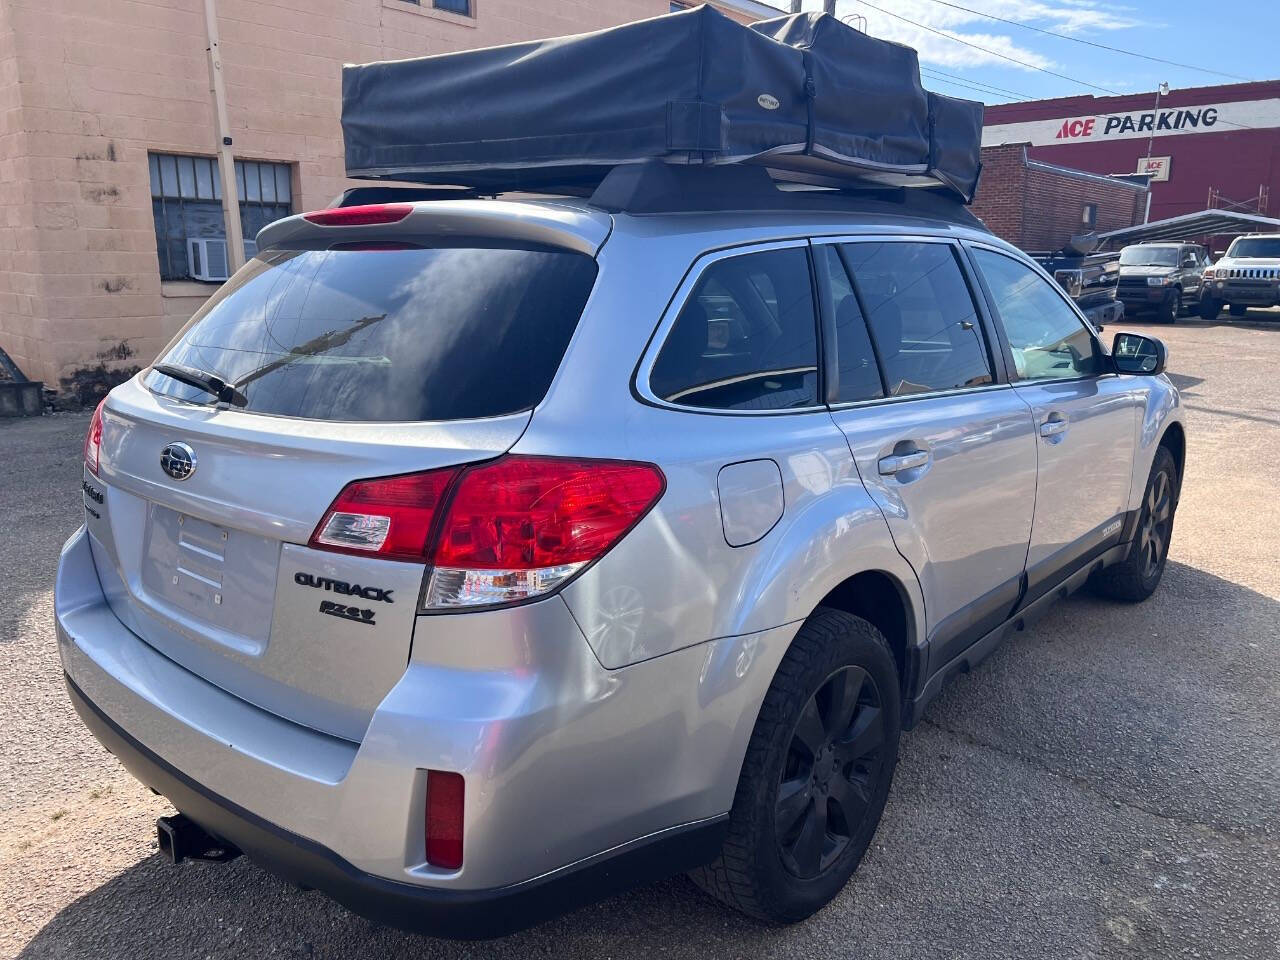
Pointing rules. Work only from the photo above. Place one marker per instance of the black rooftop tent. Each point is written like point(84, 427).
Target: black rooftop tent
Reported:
point(805, 96)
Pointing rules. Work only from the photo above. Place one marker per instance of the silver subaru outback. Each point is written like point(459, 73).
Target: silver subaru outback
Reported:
point(472, 559)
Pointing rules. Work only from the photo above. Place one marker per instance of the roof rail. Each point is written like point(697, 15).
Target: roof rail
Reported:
point(654, 187)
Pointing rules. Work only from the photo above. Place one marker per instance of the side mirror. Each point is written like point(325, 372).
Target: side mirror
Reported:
point(1190, 262)
point(1135, 354)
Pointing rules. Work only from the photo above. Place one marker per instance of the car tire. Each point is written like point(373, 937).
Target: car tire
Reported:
point(1168, 311)
point(1210, 308)
point(816, 773)
point(1239, 309)
point(1136, 577)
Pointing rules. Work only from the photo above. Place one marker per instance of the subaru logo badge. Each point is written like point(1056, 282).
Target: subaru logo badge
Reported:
point(178, 460)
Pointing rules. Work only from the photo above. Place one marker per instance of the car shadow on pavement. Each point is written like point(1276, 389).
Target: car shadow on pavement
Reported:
point(154, 910)
point(1112, 717)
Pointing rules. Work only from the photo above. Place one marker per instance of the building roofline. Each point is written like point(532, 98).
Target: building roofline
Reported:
point(1040, 165)
point(752, 8)
point(1080, 174)
point(1089, 103)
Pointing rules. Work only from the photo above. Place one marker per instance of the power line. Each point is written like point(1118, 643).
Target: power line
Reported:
point(1091, 43)
point(985, 93)
point(970, 81)
point(987, 50)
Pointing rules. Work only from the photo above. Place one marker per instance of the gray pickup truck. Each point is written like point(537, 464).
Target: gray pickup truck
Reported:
point(1089, 278)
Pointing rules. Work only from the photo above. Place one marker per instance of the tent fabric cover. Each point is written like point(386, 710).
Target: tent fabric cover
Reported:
point(802, 94)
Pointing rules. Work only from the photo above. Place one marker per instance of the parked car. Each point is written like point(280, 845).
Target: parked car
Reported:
point(1089, 278)
point(1248, 276)
point(470, 560)
point(1163, 278)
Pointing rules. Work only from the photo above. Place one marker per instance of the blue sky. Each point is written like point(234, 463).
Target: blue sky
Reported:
point(1239, 37)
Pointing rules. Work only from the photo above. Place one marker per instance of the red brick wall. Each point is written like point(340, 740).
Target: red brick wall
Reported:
point(1040, 209)
point(1002, 191)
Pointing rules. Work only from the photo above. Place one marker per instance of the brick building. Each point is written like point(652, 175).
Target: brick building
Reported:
point(107, 141)
point(1040, 206)
point(1215, 146)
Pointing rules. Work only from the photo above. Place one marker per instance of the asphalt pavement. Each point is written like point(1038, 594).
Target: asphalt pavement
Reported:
point(1106, 785)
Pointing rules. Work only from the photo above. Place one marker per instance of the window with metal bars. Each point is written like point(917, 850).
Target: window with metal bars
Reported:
point(460, 7)
point(186, 201)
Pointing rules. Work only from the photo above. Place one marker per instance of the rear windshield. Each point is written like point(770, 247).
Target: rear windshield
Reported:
point(445, 333)
point(1260, 247)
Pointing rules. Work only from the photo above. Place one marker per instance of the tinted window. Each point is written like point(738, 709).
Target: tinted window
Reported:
point(1149, 257)
point(859, 374)
point(1265, 247)
point(746, 339)
point(921, 316)
point(415, 334)
point(1049, 341)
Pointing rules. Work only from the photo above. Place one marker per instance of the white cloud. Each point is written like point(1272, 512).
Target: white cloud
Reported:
point(1002, 40)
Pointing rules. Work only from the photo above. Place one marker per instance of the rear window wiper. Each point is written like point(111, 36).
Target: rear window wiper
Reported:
point(210, 384)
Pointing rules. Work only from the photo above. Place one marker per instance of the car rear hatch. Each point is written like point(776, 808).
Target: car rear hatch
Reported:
point(344, 351)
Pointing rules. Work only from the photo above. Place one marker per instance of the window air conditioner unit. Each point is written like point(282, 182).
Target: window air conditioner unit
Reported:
point(207, 258)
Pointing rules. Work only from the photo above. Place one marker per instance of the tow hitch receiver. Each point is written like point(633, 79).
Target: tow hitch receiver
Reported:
point(183, 839)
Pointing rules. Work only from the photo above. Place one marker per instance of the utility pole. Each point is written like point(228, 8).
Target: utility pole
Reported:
point(226, 159)
point(1162, 90)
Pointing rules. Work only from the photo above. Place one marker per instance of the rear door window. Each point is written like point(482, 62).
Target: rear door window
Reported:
point(858, 373)
point(921, 314)
point(746, 339)
point(400, 334)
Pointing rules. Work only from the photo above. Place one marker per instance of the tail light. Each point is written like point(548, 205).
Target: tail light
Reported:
point(391, 517)
point(500, 532)
point(446, 794)
point(93, 439)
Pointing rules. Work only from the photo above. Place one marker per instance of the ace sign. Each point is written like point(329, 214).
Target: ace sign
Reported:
point(1157, 168)
point(1166, 121)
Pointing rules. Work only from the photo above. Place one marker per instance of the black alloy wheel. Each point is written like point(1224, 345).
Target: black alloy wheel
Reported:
point(1136, 577)
point(816, 774)
point(831, 772)
point(1153, 534)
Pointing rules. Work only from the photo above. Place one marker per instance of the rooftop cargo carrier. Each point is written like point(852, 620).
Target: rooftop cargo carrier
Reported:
point(804, 95)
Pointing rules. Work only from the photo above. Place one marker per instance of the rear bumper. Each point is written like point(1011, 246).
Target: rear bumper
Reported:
point(465, 914)
point(1105, 314)
point(569, 767)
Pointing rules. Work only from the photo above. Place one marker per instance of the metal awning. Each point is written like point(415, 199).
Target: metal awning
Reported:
point(1192, 226)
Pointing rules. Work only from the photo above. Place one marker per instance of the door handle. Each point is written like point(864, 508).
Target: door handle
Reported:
point(1054, 426)
point(903, 461)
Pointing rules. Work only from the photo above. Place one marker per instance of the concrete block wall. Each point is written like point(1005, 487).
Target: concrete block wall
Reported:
point(88, 87)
